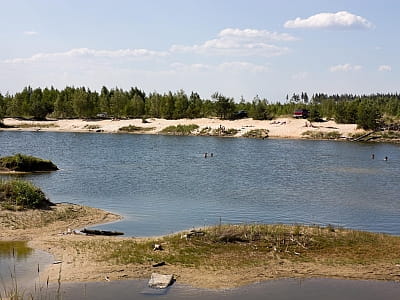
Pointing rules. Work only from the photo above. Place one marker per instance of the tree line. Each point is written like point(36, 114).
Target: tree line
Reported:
point(368, 111)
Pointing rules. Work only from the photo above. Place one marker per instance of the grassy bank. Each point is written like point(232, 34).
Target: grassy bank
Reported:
point(25, 163)
point(246, 245)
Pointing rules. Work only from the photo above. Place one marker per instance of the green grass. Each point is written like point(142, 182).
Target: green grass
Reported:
point(91, 126)
point(133, 128)
point(225, 132)
point(25, 163)
point(180, 129)
point(228, 246)
point(319, 135)
point(37, 125)
point(256, 134)
point(19, 194)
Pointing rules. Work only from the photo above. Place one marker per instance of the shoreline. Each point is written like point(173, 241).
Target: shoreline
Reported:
point(284, 127)
point(82, 262)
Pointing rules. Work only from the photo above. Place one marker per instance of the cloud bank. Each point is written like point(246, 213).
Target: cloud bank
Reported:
point(240, 42)
point(345, 68)
point(341, 20)
point(384, 68)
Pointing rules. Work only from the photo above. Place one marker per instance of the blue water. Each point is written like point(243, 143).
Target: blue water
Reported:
point(163, 184)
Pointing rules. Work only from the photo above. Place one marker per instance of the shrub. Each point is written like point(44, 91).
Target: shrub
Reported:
point(26, 163)
point(180, 129)
point(319, 135)
point(133, 128)
point(257, 134)
point(19, 194)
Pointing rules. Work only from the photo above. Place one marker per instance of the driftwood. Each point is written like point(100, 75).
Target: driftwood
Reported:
point(101, 232)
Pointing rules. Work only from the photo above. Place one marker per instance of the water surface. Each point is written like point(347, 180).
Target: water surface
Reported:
point(304, 289)
point(163, 184)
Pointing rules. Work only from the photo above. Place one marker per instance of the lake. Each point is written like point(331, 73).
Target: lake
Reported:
point(163, 184)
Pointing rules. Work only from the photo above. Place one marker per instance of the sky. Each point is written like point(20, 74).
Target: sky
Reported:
point(241, 49)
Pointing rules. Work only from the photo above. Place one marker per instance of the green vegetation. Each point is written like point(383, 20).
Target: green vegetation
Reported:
point(26, 163)
point(38, 125)
point(180, 129)
point(257, 134)
point(224, 132)
point(92, 127)
point(331, 135)
point(19, 194)
point(133, 128)
point(370, 112)
point(235, 246)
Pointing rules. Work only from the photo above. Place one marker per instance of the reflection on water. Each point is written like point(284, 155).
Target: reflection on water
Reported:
point(14, 249)
point(297, 289)
point(163, 184)
point(20, 262)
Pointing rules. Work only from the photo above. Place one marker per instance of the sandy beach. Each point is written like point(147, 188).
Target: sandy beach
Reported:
point(277, 128)
point(81, 259)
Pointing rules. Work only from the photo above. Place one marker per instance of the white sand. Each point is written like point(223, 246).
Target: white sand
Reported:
point(278, 128)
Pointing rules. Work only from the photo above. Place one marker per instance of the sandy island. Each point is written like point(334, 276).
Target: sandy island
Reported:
point(83, 260)
point(277, 128)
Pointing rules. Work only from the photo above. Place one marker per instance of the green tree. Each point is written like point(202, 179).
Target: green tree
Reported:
point(63, 104)
point(259, 109)
point(167, 106)
point(368, 116)
point(181, 105)
point(2, 108)
point(224, 106)
point(194, 106)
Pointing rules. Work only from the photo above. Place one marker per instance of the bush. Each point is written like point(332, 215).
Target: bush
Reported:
point(257, 134)
point(133, 128)
point(180, 129)
point(26, 163)
point(19, 194)
point(319, 135)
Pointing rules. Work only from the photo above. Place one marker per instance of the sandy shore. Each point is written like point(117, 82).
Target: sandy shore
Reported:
point(278, 128)
point(82, 262)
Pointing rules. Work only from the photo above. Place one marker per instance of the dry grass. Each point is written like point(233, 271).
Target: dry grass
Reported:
point(40, 218)
point(242, 246)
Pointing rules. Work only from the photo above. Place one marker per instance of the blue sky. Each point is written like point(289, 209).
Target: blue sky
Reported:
point(238, 48)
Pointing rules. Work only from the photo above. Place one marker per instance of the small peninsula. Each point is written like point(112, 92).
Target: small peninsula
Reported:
point(20, 163)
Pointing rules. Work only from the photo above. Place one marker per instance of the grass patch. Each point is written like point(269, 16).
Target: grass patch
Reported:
point(29, 219)
point(390, 134)
point(257, 133)
point(225, 132)
point(37, 125)
point(25, 163)
point(133, 128)
point(91, 126)
point(180, 129)
point(236, 246)
point(320, 135)
point(19, 195)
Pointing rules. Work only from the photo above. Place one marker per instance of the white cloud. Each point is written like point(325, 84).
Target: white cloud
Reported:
point(238, 42)
point(31, 32)
point(233, 66)
point(87, 53)
point(242, 66)
point(300, 76)
point(341, 19)
point(345, 68)
point(255, 34)
point(384, 68)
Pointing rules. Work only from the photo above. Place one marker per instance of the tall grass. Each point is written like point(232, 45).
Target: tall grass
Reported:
point(180, 129)
point(20, 194)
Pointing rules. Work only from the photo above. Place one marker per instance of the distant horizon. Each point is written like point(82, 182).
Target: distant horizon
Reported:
point(238, 49)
